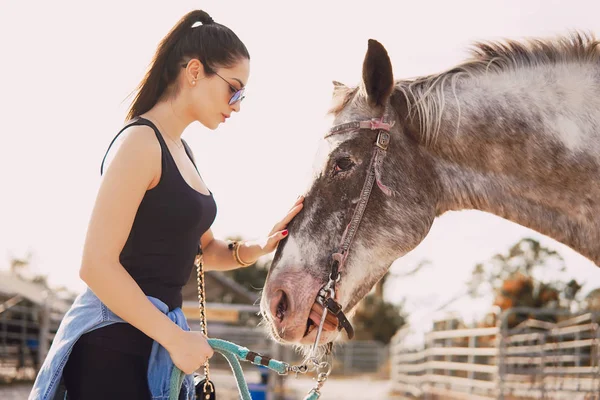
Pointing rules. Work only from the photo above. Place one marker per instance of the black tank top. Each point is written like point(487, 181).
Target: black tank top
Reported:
point(162, 244)
point(165, 235)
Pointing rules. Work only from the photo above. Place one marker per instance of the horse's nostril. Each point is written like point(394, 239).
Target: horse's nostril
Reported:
point(281, 305)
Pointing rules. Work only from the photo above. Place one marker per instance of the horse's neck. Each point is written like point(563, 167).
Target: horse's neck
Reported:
point(526, 150)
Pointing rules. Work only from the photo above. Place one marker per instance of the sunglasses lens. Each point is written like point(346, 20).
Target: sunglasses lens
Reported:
point(237, 96)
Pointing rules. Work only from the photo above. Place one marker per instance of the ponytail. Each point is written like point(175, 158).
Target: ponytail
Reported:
point(196, 35)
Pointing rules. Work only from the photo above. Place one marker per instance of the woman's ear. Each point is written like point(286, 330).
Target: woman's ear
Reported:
point(194, 70)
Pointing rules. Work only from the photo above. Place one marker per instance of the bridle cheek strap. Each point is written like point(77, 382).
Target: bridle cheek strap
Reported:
point(373, 175)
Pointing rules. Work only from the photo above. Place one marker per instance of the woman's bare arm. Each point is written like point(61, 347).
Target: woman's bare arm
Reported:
point(217, 256)
point(134, 169)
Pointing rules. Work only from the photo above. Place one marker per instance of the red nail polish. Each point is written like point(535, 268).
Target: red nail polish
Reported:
point(285, 232)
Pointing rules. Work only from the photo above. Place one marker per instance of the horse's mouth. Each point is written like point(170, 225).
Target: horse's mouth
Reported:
point(310, 326)
point(314, 320)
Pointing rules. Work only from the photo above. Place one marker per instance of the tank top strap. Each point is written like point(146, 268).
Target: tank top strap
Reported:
point(133, 122)
point(188, 151)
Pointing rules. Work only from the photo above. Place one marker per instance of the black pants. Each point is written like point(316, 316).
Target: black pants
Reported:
point(109, 363)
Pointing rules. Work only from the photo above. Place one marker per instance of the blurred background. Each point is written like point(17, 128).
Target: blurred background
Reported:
point(443, 320)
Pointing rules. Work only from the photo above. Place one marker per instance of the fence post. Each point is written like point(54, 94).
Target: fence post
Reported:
point(44, 339)
point(348, 350)
point(383, 353)
point(501, 323)
point(22, 353)
point(427, 383)
point(4, 325)
point(543, 365)
point(577, 350)
point(275, 385)
point(595, 352)
point(447, 343)
point(471, 358)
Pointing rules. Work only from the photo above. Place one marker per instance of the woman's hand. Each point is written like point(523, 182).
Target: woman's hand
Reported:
point(253, 251)
point(279, 232)
point(189, 351)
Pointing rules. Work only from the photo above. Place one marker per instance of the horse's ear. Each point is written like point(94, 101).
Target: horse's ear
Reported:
point(339, 88)
point(378, 79)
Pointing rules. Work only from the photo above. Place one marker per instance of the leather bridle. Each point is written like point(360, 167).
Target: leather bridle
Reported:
point(326, 296)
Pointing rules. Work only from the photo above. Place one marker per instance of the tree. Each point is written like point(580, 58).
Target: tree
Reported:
point(19, 265)
point(592, 300)
point(512, 276)
point(252, 277)
point(526, 257)
point(376, 319)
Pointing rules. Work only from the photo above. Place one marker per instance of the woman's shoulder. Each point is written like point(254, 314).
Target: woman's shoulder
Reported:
point(139, 134)
point(136, 143)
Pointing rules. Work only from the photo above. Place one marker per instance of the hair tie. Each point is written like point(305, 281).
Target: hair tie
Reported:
point(205, 20)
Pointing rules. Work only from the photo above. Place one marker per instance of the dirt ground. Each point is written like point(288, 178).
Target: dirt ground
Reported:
point(296, 389)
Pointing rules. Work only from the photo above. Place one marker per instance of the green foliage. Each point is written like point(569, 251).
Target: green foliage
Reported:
point(378, 320)
point(527, 257)
point(528, 275)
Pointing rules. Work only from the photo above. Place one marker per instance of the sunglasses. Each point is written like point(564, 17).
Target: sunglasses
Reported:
point(237, 94)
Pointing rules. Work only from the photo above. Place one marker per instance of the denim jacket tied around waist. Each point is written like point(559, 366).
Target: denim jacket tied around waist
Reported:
point(89, 313)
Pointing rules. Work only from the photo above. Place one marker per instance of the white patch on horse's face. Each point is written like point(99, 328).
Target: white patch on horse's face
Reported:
point(326, 147)
point(291, 254)
point(321, 157)
point(303, 249)
point(300, 251)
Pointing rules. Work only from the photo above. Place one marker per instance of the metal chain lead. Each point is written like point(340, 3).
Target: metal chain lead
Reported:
point(198, 262)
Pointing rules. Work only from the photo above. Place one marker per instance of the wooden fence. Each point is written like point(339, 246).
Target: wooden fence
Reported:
point(23, 326)
point(534, 360)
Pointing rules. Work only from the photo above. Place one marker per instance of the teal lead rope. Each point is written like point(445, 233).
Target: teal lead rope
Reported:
point(234, 353)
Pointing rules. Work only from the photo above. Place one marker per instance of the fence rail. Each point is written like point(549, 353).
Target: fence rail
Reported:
point(535, 359)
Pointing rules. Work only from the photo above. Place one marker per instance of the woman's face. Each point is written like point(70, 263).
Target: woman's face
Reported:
point(210, 96)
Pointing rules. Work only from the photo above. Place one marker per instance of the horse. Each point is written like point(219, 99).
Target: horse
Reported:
point(513, 130)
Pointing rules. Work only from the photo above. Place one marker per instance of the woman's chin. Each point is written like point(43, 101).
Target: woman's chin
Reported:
point(212, 125)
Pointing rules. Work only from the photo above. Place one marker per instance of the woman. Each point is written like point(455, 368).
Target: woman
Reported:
point(152, 211)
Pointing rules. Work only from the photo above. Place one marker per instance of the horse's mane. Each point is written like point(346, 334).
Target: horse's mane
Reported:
point(425, 95)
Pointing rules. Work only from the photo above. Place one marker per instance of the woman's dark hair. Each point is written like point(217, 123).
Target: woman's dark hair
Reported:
point(196, 35)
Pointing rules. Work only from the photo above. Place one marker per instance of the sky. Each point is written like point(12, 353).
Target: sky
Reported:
point(68, 68)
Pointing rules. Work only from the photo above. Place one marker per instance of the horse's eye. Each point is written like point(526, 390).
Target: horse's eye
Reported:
point(343, 164)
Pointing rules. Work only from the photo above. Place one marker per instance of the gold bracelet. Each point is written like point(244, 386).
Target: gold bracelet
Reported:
point(235, 247)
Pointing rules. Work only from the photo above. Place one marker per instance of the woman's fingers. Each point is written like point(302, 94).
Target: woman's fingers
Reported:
point(281, 225)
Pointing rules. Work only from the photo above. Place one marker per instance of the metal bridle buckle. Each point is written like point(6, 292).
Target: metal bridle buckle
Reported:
point(383, 140)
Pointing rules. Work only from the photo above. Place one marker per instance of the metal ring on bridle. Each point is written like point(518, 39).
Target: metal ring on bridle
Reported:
point(324, 368)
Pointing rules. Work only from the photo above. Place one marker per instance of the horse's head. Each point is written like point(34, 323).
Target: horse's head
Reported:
point(398, 215)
